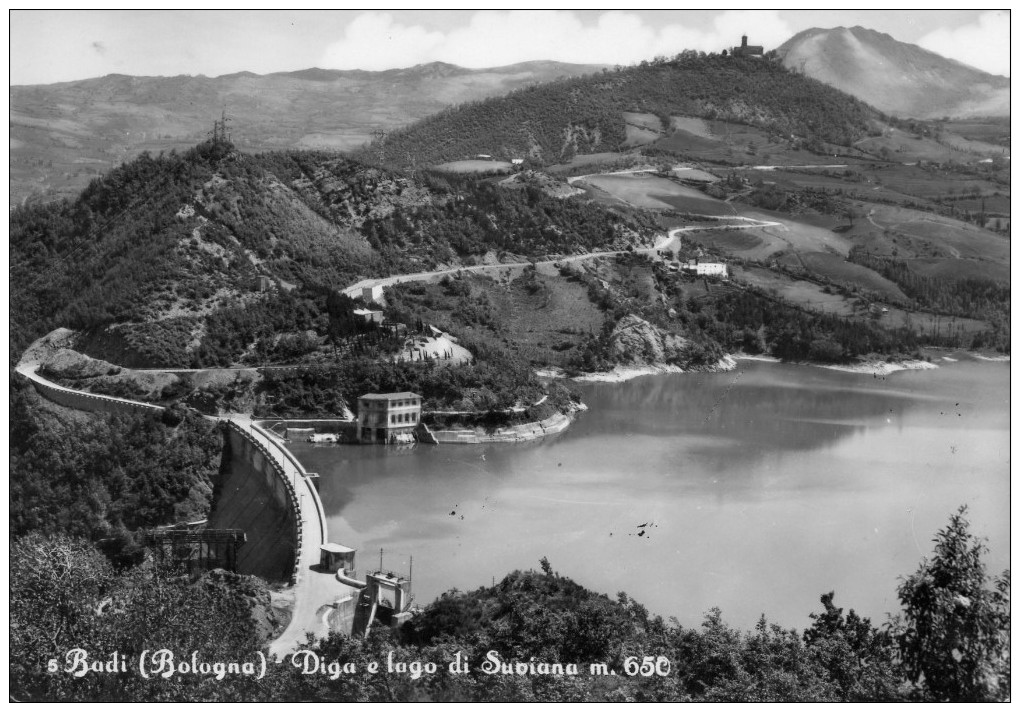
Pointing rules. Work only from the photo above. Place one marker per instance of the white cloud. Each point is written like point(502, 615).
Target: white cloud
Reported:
point(984, 44)
point(376, 40)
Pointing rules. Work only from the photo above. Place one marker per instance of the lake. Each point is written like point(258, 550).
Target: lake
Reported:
point(755, 491)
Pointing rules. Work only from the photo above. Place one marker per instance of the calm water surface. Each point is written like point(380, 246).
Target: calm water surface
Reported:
point(758, 489)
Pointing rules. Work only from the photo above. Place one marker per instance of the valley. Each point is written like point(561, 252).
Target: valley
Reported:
point(471, 257)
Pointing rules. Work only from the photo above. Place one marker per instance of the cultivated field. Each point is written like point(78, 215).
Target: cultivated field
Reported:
point(475, 166)
point(801, 293)
point(692, 125)
point(839, 270)
point(641, 128)
point(647, 190)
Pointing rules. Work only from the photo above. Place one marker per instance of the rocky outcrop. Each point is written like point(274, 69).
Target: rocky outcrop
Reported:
point(43, 348)
point(69, 364)
point(637, 341)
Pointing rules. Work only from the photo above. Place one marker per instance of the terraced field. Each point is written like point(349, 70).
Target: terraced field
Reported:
point(475, 166)
point(647, 190)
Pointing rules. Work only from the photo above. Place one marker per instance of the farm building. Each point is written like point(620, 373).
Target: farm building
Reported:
point(371, 294)
point(388, 418)
point(706, 268)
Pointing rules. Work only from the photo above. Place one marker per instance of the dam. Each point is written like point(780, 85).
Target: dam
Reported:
point(265, 493)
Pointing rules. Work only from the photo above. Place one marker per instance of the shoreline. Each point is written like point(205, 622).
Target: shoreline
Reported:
point(620, 373)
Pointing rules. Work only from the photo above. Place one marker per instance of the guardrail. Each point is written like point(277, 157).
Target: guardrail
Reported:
point(320, 513)
point(82, 400)
point(295, 503)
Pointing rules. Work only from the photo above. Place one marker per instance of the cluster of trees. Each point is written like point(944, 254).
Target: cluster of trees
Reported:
point(101, 476)
point(751, 321)
point(483, 217)
point(555, 120)
point(969, 297)
point(65, 595)
point(487, 384)
point(950, 641)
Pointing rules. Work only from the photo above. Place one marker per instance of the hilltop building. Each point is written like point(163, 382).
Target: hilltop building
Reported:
point(746, 49)
point(388, 418)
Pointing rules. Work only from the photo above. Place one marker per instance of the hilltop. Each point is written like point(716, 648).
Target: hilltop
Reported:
point(64, 134)
point(552, 123)
point(898, 78)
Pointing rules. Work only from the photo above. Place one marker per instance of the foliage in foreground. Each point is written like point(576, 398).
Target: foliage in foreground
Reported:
point(950, 643)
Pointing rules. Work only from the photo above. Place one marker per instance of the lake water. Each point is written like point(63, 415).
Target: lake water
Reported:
point(758, 490)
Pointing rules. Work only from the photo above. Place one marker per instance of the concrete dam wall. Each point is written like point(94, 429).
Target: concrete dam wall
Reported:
point(88, 401)
point(255, 495)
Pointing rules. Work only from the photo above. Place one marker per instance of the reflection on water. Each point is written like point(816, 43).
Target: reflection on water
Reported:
point(757, 490)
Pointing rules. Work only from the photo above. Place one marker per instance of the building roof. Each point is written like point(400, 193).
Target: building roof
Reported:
point(405, 395)
point(335, 548)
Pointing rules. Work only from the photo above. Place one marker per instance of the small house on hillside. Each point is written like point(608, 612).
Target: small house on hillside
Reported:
point(369, 315)
point(372, 294)
point(700, 268)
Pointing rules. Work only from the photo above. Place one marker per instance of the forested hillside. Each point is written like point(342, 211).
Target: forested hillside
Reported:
point(101, 477)
point(552, 122)
point(163, 242)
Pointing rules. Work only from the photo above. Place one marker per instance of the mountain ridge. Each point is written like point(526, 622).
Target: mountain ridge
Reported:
point(64, 134)
point(901, 79)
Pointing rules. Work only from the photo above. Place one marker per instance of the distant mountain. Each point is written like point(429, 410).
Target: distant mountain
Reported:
point(900, 79)
point(64, 134)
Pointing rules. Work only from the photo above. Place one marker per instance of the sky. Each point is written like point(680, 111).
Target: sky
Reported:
point(49, 46)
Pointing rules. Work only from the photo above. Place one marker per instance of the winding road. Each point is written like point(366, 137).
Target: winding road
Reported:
point(663, 242)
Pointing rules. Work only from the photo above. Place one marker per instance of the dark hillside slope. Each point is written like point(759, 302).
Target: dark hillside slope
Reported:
point(169, 237)
point(159, 247)
point(555, 121)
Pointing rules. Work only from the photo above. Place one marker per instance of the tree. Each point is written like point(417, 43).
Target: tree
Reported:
point(953, 635)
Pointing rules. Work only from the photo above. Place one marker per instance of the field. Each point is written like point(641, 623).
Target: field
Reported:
point(801, 293)
point(840, 271)
point(752, 244)
point(992, 130)
point(475, 166)
point(926, 234)
point(641, 128)
point(897, 145)
point(954, 269)
point(646, 190)
point(692, 125)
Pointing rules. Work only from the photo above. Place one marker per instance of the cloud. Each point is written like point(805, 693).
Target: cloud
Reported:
point(376, 40)
point(983, 44)
point(99, 48)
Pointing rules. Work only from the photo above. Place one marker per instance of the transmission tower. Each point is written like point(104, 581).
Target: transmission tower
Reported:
point(379, 137)
point(220, 131)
